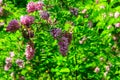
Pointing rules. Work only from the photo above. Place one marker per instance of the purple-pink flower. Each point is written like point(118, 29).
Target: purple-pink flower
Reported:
point(39, 5)
point(56, 32)
point(29, 52)
point(63, 43)
point(13, 26)
point(31, 7)
point(20, 63)
point(8, 60)
point(74, 11)
point(7, 66)
point(44, 15)
point(27, 20)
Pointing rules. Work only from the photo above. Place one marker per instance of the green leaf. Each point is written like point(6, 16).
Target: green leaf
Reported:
point(65, 70)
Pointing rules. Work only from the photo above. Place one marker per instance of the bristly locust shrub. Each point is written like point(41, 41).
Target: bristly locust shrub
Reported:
point(59, 39)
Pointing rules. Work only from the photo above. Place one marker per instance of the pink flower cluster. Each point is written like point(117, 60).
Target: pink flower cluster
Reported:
point(8, 61)
point(29, 52)
point(1, 2)
point(32, 6)
point(13, 26)
point(27, 20)
point(8, 64)
point(20, 63)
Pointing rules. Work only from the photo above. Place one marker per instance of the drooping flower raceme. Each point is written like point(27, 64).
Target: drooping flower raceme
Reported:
point(31, 7)
point(20, 63)
point(13, 26)
point(63, 43)
point(29, 52)
point(27, 20)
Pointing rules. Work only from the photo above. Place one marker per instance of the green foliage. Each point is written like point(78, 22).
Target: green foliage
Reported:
point(99, 49)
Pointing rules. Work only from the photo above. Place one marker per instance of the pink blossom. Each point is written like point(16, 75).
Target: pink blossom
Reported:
point(1, 2)
point(107, 68)
point(27, 20)
point(84, 11)
point(12, 54)
point(97, 69)
point(29, 52)
point(117, 25)
point(31, 7)
point(105, 73)
point(110, 14)
point(7, 66)
point(20, 63)
point(8, 60)
point(116, 15)
point(39, 5)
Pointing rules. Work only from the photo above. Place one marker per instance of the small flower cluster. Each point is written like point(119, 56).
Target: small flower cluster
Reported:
point(74, 11)
point(19, 62)
point(32, 6)
point(13, 26)
point(64, 39)
point(8, 62)
point(29, 52)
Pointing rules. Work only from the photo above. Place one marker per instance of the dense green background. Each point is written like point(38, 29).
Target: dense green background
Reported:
point(82, 59)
